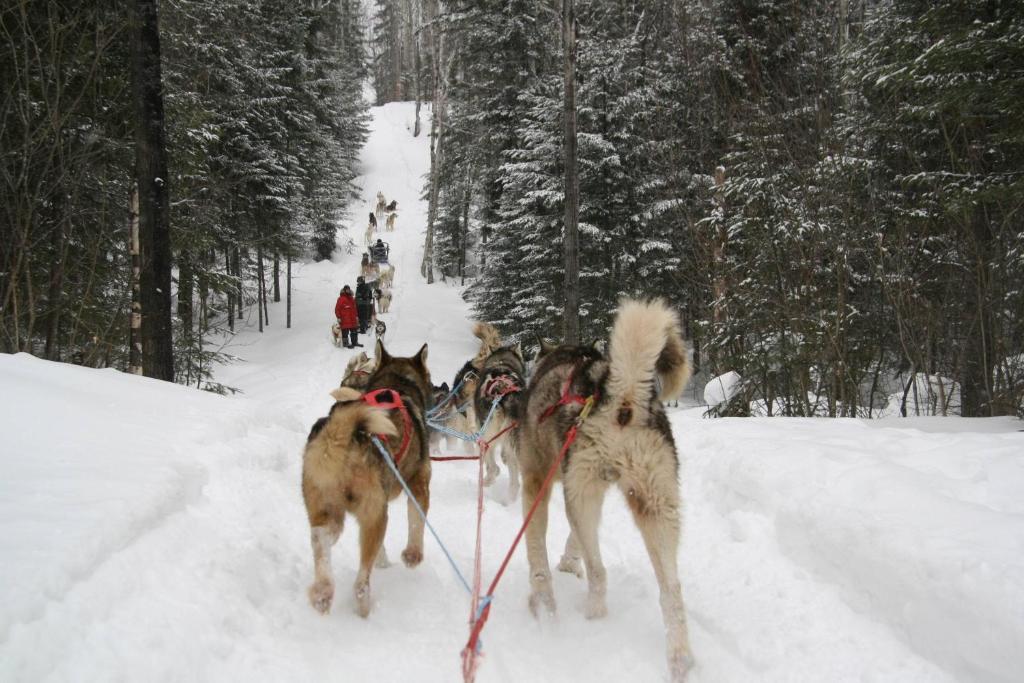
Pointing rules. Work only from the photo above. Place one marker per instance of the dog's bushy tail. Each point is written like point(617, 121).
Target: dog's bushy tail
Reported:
point(346, 421)
point(490, 341)
point(646, 348)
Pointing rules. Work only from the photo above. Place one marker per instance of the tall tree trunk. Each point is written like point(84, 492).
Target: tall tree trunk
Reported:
point(238, 275)
point(978, 358)
point(436, 130)
point(288, 294)
point(231, 296)
point(186, 291)
point(135, 324)
point(55, 299)
point(277, 277)
point(572, 265)
point(417, 25)
point(259, 286)
point(151, 175)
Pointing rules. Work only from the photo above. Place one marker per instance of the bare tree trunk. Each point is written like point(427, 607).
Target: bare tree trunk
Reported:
point(436, 130)
point(55, 299)
point(259, 286)
point(288, 294)
point(135, 324)
point(417, 22)
point(152, 178)
point(241, 289)
point(277, 277)
point(231, 296)
point(572, 266)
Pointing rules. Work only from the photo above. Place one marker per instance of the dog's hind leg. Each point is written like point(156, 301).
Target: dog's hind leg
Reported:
point(511, 458)
point(373, 522)
point(655, 508)
point(420, 487)
point(541, 590)
point(584, 495)
point(492, 467)
point(572, 557)
point(382, 561)
point(323, 538)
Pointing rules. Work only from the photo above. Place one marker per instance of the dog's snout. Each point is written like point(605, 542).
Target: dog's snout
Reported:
point(625, 415)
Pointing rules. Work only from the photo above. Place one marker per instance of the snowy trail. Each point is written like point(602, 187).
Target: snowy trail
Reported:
point(153, 532)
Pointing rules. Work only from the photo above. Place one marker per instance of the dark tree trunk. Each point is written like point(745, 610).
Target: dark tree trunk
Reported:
point(55, 298)
point(572, 266)
point(151, 175)
point(135, 319)
point(978, 356)
point(231, 296)
point(288, 293)
point(277, 277)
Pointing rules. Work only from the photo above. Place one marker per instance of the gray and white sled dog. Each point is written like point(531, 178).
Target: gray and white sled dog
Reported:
point(501, 376)
point(626, 442)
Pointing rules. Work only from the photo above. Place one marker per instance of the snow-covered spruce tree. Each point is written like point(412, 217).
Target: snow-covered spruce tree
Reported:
point(773, 245)
point(940, 93)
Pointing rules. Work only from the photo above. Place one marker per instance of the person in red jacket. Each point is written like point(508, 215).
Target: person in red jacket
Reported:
point(348, 320)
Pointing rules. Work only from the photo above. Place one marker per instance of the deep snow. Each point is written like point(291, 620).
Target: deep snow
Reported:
point(155, 532)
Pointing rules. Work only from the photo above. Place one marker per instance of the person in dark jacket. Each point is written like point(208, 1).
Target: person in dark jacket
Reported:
point(379, 252)
point(364, 303)
point(348, 320)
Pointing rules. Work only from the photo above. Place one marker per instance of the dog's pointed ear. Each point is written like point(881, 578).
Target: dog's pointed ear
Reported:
point(345, 394)
point(421, 356)
point(380, 354)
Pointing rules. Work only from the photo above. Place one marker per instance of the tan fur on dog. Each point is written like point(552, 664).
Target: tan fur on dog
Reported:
point(358, 371)
point(343, 473)
point(490, 341)
point(387, 277)
point(626, 443)
point(389, 225)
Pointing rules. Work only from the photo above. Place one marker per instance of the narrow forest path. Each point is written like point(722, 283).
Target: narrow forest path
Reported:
point(154, 532)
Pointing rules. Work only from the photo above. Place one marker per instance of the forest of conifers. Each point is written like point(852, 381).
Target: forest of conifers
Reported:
point(830, 192)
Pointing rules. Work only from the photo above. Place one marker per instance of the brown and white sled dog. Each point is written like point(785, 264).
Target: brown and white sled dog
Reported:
point(389, 224)
point(381, 205)
point(343, 473)
point(626, 442)
point(386, 277)
point(501, 376)
point(358, 371)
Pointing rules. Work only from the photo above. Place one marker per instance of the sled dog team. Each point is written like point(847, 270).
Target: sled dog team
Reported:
point(373, 293)
point(625, 442)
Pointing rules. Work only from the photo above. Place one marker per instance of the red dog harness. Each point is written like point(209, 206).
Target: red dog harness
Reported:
point(567, 398)
point(390, 400)
point(500, 386)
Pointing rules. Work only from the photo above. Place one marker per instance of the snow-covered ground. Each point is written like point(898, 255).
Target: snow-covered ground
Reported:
point(154, 532)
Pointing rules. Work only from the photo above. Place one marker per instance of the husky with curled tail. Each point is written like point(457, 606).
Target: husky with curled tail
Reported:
point(344, 473)
point(626, 443)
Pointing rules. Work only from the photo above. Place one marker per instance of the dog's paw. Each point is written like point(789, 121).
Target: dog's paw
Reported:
point(596, 607)
point(321, 593)
point(679, 665)
point(362, 593)
point(542, 602)
point(571, 565)
point(412, 556)
point(382, 561)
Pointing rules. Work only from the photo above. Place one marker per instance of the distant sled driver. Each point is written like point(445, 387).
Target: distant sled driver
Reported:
point(379, 252)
